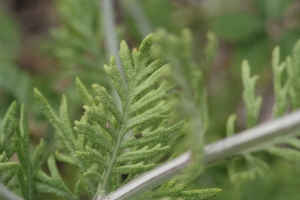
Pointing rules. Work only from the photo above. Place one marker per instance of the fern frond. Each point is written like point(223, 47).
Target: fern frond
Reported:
point(85, 96)
point(287, 154)
point(7, 130)
point(287, 147)
point(37, 156)
point(9, 166)
point(161, 134)
point(281, 92)
point(134, 169)
point(142, 103)
point(253, 166)
point(204, 194)
point(8, 171)
point(26, 170)
point(143, 154)
point(21, 142)
point(108, 102)
point(293, 64)
point(65, 133)
point(92, 156)
point(53, 183)
point(94, 135)
point(177, 190)
point(65, 159)
point(192, 78)
point(253, 103)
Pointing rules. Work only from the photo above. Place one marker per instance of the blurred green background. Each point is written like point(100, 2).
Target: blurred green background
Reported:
point(46, 44)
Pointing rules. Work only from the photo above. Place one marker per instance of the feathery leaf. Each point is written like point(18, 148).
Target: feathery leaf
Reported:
point(143, 103)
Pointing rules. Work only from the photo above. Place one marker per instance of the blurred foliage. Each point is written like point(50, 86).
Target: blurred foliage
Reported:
point(77, 46)
point(14, 83)
point(246, 29)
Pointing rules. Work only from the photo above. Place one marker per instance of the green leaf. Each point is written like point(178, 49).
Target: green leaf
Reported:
point(21, 143)
point(253, 167)
point(107, 101)
point(143, 154)
point(203, 194)
point(9, 166)
point(293, 64)
point(230, 125)
point(63, 158)
point(143, 100)
point(286, 154)
point(37, 156)
point(92, 175)
point(7, 130)
point(126, 57)
point(53, 184)
point(174, 189)
point(92, 156)
point(93, 134)
point(64, 134)
point(191, 76)
point(97, 115)
point(3, 157)
point(280, 91)
point(134, 169)
point(161, 134)
point(253, 104)
point(65, 121)
point(85, 96)
point(116, 79)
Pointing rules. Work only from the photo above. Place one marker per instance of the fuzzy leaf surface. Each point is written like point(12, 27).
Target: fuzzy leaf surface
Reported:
point(143, 97)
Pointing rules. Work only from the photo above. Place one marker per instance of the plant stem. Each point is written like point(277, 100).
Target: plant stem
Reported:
point(110, 32)
point(134, 9)
point(156, 176)
point(214, 152)
point(111, 39)
point(7, 194)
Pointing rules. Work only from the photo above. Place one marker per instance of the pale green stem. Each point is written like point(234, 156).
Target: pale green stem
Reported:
point(217, 151)
point(138, 16)
point(6, 194)
point(111, 40)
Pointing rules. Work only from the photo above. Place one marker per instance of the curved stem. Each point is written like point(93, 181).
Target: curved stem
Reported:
point(6, 194)
point(214, 152)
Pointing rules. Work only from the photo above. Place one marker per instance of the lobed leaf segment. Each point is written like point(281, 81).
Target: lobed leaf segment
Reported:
point(285, 83)
point(175, 189)
point(27, 174)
